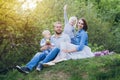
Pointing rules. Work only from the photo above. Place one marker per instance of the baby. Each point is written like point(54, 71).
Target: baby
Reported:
point(46, 43)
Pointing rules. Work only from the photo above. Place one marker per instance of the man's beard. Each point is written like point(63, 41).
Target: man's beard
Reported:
point(58, 33)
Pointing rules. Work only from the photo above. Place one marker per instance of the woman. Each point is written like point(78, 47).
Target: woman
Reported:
point(78, 48)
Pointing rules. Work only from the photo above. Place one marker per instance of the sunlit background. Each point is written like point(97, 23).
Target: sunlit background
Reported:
point(26, 6)
point(29, 4)
point(22, 22)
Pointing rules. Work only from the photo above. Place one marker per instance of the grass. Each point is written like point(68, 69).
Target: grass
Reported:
point(97, 68)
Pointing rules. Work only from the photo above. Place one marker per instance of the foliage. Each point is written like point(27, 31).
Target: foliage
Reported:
point(97, 68)
point(20, 30)
point(95, 47)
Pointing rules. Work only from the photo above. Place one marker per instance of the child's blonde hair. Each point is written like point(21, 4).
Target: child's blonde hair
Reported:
point(45, 32)
point(73, 18)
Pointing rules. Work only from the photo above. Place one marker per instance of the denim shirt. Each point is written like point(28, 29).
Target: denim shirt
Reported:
point(80, 39)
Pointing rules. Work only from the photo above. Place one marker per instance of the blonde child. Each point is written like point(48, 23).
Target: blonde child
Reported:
point(46, 42)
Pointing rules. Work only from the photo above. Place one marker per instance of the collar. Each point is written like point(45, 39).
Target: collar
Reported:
point(58, 36)
point(80, 30)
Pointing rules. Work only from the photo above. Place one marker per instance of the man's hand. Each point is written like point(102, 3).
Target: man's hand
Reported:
point(44, 47)
point(50, 46)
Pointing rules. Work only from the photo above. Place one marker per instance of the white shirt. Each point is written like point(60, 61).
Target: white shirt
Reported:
point(62, 38)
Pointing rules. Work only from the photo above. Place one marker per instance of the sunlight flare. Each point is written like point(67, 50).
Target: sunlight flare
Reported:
point(29, 4)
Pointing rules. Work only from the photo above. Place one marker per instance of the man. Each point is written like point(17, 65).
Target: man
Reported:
point(41, 58)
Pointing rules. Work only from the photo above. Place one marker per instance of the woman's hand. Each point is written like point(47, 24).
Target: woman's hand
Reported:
point(65, 51)
point(69, 51)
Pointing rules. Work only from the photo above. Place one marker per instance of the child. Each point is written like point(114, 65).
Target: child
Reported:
point(69, 24)
point(46, 41)
point(46, 44)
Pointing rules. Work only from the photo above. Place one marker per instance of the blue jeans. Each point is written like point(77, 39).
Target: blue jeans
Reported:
point(43, 57)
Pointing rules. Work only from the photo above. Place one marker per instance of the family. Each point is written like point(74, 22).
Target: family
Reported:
point(63, 45)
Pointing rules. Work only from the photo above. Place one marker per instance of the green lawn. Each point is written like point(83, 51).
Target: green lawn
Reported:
point(97, 68)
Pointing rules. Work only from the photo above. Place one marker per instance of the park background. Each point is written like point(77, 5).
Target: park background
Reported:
point(22, 22)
